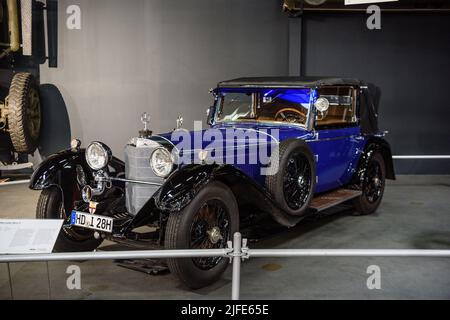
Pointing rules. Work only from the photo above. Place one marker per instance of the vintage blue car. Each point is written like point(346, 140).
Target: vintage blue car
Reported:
point(284, 147)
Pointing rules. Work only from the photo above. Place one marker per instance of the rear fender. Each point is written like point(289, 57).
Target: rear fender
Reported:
point(381, 145)
point(375, 144)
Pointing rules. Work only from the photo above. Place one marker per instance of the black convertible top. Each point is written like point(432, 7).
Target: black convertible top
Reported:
point(285, 82)
point(368, 102)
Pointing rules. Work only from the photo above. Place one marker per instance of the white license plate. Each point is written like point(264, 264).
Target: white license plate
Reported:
point(90, 221)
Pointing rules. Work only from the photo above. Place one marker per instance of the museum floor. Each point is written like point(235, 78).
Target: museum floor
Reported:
point(415, 214)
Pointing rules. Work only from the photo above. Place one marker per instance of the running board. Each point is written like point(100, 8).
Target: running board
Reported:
point(333, 198)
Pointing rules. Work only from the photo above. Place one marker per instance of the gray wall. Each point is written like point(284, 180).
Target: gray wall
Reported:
point(162, 56)
point(408, 58)
point(159, 56)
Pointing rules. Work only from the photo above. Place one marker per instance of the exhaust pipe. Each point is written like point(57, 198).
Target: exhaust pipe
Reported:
point(52, 33)
point(26, 14)
point(13, 25)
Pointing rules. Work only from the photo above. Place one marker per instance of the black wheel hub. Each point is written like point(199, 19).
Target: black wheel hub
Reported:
point(297, 181)
point(210, 229)
point(373, 183)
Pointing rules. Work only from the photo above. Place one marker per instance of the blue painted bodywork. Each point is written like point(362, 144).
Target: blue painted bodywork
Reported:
point(337, 151)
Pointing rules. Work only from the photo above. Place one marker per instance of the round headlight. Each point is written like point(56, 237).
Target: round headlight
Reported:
point(98, 155)
point(161, 162)
point(322, 105)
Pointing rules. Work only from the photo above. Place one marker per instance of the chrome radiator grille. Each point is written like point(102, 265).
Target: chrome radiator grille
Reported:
point(137, 167)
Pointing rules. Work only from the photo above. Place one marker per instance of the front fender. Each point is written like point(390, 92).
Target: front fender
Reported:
point(183, 185)
point(60, 170)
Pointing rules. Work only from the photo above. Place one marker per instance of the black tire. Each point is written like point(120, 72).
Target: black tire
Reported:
point(24, 113)
point(50, 206)
point(179, 234)
point(373, 190)
point(282, 185)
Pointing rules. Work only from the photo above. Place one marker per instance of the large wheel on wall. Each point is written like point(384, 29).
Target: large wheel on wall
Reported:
point(24, 113)
point(208, 222)
point(372, 186)
point(293, 181)
point(50, 206)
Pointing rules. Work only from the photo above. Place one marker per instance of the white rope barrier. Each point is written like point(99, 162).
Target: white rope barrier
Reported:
point(429, 157)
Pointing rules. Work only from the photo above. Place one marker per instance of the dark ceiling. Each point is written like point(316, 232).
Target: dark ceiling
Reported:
point(295, 6)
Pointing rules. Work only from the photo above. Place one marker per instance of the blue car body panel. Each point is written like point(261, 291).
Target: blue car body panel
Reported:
point(337, 151)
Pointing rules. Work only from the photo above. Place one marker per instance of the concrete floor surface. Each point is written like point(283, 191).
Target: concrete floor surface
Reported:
point(414, 214)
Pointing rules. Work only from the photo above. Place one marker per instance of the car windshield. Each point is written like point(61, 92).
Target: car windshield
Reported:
point(274, 105)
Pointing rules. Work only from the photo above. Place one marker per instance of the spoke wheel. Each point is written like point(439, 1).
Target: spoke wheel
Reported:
point(210, 230)
point(207, 222)
point(297, 181)
point(372, 186)
point(293, 181)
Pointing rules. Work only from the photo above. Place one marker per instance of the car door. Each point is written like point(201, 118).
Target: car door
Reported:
point(336, 133)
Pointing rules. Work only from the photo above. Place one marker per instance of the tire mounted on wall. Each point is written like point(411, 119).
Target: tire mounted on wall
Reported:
point(24, 113)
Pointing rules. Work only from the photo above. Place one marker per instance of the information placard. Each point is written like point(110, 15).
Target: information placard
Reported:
point(28, 236)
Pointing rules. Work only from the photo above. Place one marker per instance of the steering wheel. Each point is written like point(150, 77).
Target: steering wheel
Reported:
point(290, 115)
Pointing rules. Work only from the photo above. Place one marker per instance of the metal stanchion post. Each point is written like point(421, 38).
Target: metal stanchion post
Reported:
point(236, 281)
point(49, 282)
point(10, 282)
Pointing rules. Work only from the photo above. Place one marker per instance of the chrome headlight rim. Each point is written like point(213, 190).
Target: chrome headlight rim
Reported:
point(107, 154)
point(322, 104)
point(168, 170)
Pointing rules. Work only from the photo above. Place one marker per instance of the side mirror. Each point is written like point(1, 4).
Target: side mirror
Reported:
point(211, 112)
